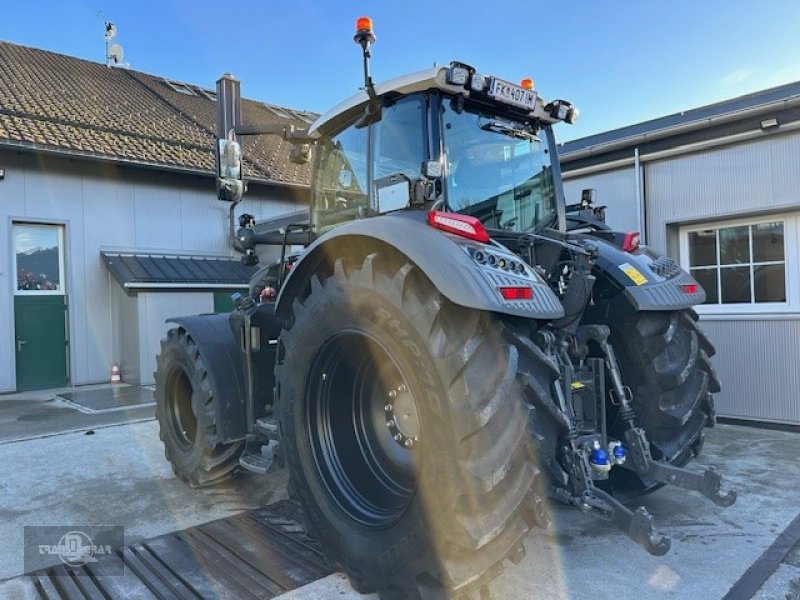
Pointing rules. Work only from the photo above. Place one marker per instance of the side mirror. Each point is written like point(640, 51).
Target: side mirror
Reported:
point(230, 186)
point(300, 154)
point(588, 196)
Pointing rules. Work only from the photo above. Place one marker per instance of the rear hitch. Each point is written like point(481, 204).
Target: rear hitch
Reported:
point(708, 483)
point(637, 525)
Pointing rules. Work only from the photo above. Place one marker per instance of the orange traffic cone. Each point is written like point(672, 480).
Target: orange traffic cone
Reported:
point(115, 376)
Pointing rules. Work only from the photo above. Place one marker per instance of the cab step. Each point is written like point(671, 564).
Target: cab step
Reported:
point(258, 457)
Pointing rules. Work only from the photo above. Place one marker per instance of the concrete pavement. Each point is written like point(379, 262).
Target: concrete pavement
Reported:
point(118, 476)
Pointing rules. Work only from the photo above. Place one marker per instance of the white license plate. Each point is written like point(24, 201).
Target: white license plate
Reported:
point(512, 94)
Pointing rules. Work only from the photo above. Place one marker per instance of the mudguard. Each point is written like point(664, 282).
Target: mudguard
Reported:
point(648, 280)
point(456, 266)
point(223, 357)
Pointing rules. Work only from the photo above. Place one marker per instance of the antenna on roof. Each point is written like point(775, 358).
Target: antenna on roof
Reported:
point(114, 52)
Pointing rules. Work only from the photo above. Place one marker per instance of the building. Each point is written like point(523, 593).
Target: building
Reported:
point(108, 214)
point(718, 187)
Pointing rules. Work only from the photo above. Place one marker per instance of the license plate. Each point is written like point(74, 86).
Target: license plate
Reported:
point(512, 94)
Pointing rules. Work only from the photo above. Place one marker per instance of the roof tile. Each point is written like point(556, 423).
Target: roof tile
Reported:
point(54, 102)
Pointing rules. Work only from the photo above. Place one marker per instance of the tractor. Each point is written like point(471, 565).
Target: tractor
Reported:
point(454, 348)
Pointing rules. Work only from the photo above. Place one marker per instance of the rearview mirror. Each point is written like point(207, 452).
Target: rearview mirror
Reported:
point(230, 186)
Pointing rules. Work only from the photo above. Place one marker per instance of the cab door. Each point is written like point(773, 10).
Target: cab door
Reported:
point(40, 307)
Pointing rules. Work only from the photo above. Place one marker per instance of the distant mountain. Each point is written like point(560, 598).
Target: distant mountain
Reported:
point(42, 265)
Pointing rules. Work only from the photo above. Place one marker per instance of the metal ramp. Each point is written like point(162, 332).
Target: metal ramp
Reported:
point(255, 555)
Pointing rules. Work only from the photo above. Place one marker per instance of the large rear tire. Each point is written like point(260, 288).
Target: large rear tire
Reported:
point(404, 432)
point(186, 416)
point(664, 358)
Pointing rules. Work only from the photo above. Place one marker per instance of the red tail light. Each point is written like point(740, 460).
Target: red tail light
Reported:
point(463, 225)
point(631, 241)
point(516, 293)
point(689, 288)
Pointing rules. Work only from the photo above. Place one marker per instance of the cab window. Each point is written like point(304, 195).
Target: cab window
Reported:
point(399, 148)
point(340, 191)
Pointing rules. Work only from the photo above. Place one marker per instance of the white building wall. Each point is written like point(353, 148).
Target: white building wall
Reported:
point(154, 309)
point(728, 181)
point(108, 207)
point(615, 189)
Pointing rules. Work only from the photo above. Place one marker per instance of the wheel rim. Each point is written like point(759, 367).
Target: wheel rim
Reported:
point(364, 429)
point(180, 414)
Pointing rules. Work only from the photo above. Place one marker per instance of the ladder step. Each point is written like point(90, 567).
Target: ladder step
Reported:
point(258, 459)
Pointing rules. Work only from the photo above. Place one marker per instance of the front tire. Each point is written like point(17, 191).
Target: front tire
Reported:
point(186, 416)
point(404, 434)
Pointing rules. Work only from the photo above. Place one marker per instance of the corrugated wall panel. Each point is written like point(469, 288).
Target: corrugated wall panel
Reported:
point(758, 363)
point(108, 207)
point(154, 309)
point(724, 181)
point(615, 189)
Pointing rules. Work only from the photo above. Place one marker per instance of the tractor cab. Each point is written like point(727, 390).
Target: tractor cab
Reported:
point(447, 138)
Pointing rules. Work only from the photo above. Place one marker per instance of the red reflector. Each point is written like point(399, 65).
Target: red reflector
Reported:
point(516, 293)
point(689, 288)
point(631, 241)
point(463, 225)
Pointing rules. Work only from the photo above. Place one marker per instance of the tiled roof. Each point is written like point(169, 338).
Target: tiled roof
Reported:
point(57, 103)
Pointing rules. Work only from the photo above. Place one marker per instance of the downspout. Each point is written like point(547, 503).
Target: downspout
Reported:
point(640, 205)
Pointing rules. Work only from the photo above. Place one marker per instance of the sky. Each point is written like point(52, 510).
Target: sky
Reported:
point(620, 62)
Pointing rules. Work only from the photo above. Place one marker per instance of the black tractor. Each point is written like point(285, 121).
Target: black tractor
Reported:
point(454, 347)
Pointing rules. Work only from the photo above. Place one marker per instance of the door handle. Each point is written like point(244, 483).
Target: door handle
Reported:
point(20, 344)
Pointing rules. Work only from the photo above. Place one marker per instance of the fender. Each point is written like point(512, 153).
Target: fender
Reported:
point(648, 280)
point(449, 261)
point(223, 358)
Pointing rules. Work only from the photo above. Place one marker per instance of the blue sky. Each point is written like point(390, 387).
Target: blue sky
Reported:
point(620, 62)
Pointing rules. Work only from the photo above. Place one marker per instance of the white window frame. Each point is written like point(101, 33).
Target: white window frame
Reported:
point(791, 235)
point(62, 291)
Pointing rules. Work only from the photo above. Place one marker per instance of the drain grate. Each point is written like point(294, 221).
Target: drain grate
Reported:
point(108, 399)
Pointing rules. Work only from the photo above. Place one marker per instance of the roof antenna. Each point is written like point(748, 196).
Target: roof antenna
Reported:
point(114, 52)
point(364, 37)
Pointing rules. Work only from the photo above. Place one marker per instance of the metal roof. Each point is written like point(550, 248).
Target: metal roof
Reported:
point(136, 272)
point(696, 116)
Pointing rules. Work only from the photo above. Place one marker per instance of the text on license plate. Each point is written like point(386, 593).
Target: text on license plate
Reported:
point(512, 94)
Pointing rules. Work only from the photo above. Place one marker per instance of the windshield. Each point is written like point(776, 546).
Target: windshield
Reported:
point(499, 170)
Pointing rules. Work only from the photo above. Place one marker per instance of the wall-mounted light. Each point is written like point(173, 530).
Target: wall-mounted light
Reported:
point(2, 174)
point(769, 124)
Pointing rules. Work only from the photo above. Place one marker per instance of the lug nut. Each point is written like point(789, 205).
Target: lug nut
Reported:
point(392, 393)
point(390, 424)
point(402, 387)
point(397, 437)
point(409, 443)
point(388, 408)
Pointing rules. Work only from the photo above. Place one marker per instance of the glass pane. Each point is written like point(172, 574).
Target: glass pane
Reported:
point(37, 255)
point(735, 283)
point(734, 245)
point(703, 248)
point(768, 242)
point(769, 283)
point(400, 145)
point(340, 189)
point(708, 279)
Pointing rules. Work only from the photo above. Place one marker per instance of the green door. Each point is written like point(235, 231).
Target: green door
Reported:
point(41, 341)
point(40, 307)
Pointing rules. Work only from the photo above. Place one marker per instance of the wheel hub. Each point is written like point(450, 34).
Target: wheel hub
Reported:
point(402, 419)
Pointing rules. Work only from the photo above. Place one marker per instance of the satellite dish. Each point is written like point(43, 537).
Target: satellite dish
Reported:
point(115, 54)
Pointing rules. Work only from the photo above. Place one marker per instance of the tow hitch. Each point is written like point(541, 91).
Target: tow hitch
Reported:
point(581, 462)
